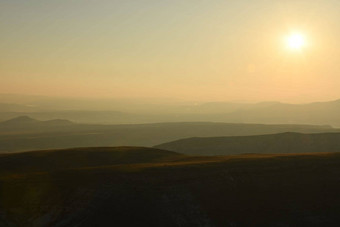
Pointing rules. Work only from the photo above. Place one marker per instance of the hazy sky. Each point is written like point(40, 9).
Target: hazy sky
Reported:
point(209, 50)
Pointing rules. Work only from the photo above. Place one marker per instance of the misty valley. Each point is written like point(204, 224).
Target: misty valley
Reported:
point(169, 113)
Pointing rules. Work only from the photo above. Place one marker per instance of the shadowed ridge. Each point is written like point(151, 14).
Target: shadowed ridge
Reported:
point(54, 160)
point(28, 120)
point(20, 120)
point(289, 142)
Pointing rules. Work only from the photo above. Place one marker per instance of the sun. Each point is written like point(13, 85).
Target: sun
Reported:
point(295, 41)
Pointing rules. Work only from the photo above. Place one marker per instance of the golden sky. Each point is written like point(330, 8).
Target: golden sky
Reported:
point(208, 50)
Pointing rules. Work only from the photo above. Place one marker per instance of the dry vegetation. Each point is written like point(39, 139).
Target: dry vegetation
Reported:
point(168, 189)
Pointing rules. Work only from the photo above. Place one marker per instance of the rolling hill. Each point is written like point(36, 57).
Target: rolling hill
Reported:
point(54, 160)
point(150, 187)
point(262, 144)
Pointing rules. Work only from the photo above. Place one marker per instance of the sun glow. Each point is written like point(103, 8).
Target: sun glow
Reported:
point(295, 41)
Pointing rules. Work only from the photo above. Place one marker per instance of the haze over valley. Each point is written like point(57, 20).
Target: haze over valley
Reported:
point(169, 113)
point(109, 111)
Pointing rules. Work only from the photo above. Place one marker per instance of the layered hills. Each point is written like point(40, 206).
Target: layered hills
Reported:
point(317, 113)
point(24, 133)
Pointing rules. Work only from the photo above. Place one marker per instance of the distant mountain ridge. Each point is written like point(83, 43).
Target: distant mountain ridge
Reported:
point(20, 120)
point(24, 120)
point(317, 113)
point(25, 124)
point(260, 144)
point(29, 120)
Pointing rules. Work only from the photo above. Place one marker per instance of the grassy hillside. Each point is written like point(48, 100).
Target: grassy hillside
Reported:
point(246, 190)
point(54, 160)
point(263, 144)
point(23, 134)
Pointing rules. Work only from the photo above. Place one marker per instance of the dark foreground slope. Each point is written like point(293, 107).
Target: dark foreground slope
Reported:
point(247, 190)
point(263, 144)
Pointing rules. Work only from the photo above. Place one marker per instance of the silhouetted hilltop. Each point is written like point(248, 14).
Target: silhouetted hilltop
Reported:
point(53, 160)
point(26, 124)
point(19, 120)
point(262, 144)
point(28, 121)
